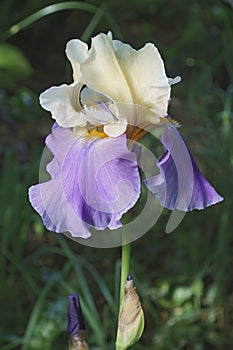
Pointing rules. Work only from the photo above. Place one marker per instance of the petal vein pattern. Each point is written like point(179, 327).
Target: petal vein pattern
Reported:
point(93, 183)
point(180, 184)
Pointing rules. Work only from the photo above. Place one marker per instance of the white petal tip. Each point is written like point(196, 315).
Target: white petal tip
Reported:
point(175, 80)
point(115, 129)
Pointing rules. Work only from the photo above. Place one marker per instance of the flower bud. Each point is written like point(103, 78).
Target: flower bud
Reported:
point(131, 318)
point(76, 326)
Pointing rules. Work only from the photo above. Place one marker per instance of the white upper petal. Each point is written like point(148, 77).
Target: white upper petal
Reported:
point(127, 75)
point(145, 73)
point(113, 72)
point(62, 102)
point(102, 71)
point(77, 53)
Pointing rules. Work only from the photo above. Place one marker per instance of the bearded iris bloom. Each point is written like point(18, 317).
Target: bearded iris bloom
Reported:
point(117, 94)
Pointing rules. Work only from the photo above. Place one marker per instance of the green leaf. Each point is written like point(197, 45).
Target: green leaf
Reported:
point(13, 65)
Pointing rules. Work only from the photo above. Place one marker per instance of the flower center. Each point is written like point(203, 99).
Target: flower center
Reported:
point(97, 132)
point(135, 133)
point(132, 133)
point(138, 134)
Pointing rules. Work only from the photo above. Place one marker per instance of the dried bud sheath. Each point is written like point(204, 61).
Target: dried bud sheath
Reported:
point(77, 341)
point(131, 318)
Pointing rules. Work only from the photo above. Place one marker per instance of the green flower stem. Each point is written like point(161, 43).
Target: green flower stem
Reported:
point(125, 266)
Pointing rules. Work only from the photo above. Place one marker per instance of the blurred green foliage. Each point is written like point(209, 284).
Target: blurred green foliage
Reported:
point(184, 279)
point(13, 65)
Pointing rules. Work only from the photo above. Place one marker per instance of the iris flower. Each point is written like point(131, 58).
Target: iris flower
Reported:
point(117, 94)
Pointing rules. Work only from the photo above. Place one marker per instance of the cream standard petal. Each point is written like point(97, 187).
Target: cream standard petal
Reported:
point(145, 73)
point(77, 53)
point(62, 102)
point(102, 71)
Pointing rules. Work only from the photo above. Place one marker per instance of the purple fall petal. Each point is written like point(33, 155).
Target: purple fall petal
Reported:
point(93, 183)
point(180, 184)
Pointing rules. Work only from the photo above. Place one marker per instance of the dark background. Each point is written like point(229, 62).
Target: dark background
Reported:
point(185, 278)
